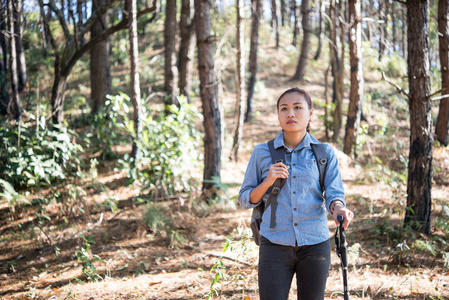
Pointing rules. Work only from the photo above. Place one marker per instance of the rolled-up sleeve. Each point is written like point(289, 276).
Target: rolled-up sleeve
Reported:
point(332, 180)
point(253, 177)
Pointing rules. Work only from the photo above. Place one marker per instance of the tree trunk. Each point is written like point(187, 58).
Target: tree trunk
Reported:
point(18, 31)
point(321, 29)
point(209, 99)
point(442, 125)
point(282, 13)
point(79, 12)
point(170, 53)
point(337, 67)
point(382, 28)
point(239, 107)
point(186, 50)
point(135, 80)
point(302, 63)
point(14, 109)
point(4, 90)
point(275, 21)
point(100, 74)
point(295, 23)
point(394, 24)
point(256, 13)
point(419, 200)
point(356, 91)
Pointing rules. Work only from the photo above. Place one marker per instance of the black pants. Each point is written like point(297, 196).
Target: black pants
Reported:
point(277, 264)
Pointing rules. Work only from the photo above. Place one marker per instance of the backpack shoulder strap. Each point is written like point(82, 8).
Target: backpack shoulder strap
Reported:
point(276, 154)
point(319, 150)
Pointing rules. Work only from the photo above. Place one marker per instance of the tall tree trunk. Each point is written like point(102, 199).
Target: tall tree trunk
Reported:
point(79, 12)
point(419, 200)
point(356, 91)
point(442, 125)
point(100, 74)
point(18, 31)
point(256, 13)
point(4, 90)
point(295, 23)
point(394, 24)
point(171, 71)
point(209, 98)
point(186, 50)
point(14, 109)
point(135, 80)
point(239, 107)
point(321, 29)
point(282, 13)
point(382, 28)
point(274, 15)
point(303, 58)
point(337, 67)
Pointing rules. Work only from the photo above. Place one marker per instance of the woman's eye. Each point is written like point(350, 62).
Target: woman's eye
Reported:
point(298, 107)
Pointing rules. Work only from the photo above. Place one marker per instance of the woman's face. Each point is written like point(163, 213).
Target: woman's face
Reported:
point(294, 113)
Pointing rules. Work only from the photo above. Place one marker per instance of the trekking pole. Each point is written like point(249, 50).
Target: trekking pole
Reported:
point(342, 253)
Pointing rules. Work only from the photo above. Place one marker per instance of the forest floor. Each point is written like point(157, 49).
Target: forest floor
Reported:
point(135, 263)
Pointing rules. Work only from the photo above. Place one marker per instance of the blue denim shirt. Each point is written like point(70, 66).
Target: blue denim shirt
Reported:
point(301, 211)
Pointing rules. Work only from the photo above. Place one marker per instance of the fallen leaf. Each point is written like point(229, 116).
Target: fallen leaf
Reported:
point(154, 283)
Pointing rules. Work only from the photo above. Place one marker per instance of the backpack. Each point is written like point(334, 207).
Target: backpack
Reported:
point(278, 155)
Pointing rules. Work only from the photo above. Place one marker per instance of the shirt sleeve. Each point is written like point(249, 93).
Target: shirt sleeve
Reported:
point(253, 177)
point(332, 180)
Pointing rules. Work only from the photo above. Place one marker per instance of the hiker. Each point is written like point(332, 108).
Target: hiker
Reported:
point(298, 241)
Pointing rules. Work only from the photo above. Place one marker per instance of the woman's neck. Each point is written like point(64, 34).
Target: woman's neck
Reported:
point(293, 139)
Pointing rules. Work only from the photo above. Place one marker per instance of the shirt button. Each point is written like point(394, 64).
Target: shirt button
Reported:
point(296, 224)
point(294, 209)
point(294, 164)
point(294, 176)
point(294, 192)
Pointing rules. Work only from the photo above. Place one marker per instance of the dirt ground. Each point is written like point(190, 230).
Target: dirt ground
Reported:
point(135, 263)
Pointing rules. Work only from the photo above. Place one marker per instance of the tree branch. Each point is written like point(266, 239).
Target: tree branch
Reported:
point(93, 18)
point(61, 19)
point(440, 98)
point(400, 89)
point(105, 34)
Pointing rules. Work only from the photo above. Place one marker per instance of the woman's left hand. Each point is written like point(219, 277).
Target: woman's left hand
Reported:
point(340, 210)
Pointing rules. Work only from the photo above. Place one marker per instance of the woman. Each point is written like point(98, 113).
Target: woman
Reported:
point(299, 243)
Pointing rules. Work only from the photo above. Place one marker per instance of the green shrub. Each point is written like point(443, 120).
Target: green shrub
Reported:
point(32, 154)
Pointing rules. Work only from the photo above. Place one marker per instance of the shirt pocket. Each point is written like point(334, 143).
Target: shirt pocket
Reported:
point(310, 169)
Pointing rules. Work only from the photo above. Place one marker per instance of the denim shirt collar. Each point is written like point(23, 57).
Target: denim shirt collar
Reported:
point(305, 143)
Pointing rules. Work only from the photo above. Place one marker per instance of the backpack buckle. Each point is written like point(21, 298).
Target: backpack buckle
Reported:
point(275, 190)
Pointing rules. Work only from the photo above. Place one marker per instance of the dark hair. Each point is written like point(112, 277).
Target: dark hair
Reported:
point(302, 93)
point(299, 91)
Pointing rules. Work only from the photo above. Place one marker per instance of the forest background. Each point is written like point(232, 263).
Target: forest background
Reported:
point(127, 127)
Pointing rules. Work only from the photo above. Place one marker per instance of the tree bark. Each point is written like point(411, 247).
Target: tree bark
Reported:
point(100, 74)
point(356, 90)
point(303, 58)
point(239, 107)
point(135, 80)
point(442, 125)
point(18, 31)
point(295, 23)
point(209, 99)
point(14, 109)
point(186, 50)
point(256, 13)
point(382, 28)
point(282, 13)
point(171, 72)
point(79, 12)
point(275, 21)
point(4, 90)
point(337, 67)
point(419, 200)
point(321, 29)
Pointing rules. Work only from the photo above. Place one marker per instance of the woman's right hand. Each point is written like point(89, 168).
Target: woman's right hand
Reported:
point(277, 170)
